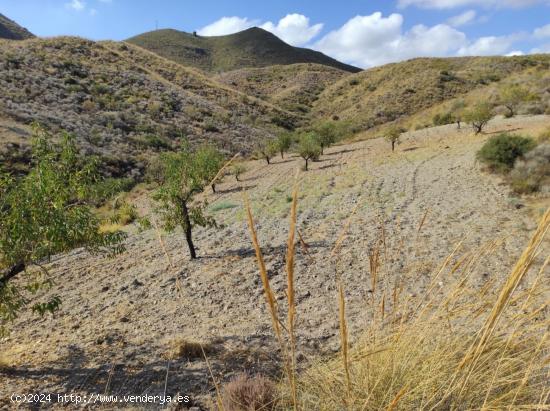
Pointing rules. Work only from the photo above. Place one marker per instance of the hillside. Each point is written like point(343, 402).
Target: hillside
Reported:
point(123, 102)
point(10, 30)
point(254, 47)
point(122, 319)
point(396, 91)
point(294, 87)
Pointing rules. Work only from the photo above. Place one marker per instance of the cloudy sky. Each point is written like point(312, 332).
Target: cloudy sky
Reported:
point(365, 33)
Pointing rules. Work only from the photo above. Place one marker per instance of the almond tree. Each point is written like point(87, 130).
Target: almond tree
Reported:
point(309, 148)
point(181, 176)
point(46, 212)
point(478, 116)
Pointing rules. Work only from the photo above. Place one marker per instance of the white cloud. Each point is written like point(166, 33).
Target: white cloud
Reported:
point(77, 5)
point(545, 48)
point(449, 4)
point(542, 32)
point(515, 53)
point(462, 19)
point(490, 46)
point(227, 25)
point(372, 40)
point(294, 29)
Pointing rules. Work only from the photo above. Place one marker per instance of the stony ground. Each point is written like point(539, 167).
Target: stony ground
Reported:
point(120, 317)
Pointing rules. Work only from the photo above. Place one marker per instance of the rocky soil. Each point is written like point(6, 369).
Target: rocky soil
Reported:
point(119, 318)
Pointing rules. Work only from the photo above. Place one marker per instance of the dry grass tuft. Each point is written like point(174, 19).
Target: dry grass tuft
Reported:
point(187, 349)
point(432, 358)
point(249, 393)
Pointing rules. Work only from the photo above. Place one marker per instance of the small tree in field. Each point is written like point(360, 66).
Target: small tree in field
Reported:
point(326, 134)
point(284, 141)
point(309, 148)
point(478, 116)
point(44, 213)
point(512, 95)
point(267, 150)
point(393, 134)
point(181, 176)
point(238, 169)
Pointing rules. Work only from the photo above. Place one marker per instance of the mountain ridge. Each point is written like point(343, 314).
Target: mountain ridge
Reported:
point(10, 30)
point(253, 47)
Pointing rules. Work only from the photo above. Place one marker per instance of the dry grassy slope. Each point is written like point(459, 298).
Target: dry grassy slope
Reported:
point(253, 47)
point(127, 311)
point(112, 96)
point(294, 87)
point(395, 91)
point(10, 30)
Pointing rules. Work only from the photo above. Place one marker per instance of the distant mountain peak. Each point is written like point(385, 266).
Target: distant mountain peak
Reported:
point(10, 30)
point(253, 47)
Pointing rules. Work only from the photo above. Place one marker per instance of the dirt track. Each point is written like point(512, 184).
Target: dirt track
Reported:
point(118, 316)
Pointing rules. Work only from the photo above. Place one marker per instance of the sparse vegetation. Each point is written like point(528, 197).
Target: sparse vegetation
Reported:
point(478, 116)
point(500, 152)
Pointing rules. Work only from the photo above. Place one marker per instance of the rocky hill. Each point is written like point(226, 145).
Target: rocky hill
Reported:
point(254, 47)
point(396, 91)
point(10, 30)
point(294, 87)
point(124, 103)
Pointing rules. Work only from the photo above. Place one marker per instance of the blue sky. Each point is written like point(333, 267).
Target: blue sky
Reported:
point(361, 32)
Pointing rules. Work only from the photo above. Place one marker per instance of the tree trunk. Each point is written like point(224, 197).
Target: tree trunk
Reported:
point(458, 124)
point(306, 163)
point(267, 159)
point(186, 225)
point(214, 188)
point(393, 146)
point(11, 273)
point(478, 128)
point(282, 154)
point(237, 177)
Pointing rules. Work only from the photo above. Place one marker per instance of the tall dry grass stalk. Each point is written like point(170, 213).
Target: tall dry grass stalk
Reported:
point(374, 265)
point(460, 346)
point(268, 292)
point(291, 323)
point(288, 348)
point(219, 401)
point(344, 343)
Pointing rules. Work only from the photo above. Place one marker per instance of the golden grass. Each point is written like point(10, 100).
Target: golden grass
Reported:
point(429, 357)
point(469, 347)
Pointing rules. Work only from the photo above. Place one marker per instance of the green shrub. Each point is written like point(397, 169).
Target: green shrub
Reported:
point(532, 173)
point(500, 152)
point(443, 119)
